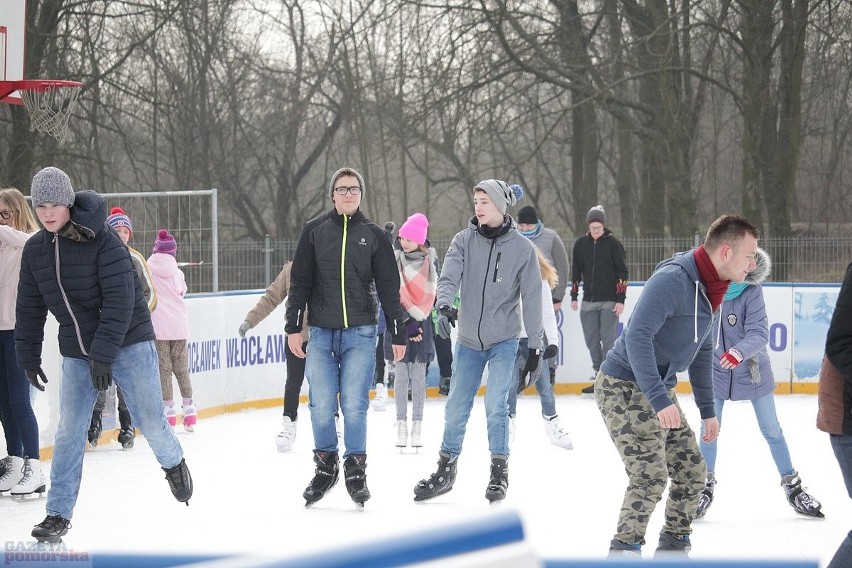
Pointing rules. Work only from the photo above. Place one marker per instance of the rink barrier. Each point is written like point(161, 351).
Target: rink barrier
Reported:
point(690, 563)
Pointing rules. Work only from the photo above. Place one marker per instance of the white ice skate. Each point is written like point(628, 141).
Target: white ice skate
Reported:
point(13, 474)
point(401, 434)
point(381, 398)
point(556, 435)
point(32, 484)
point(285, 439)
point(416, 439)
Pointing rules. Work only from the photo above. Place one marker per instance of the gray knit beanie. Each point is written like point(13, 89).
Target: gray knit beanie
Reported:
point(52, 185)
point(501, 193)
point(596, 215)
point(345, 172)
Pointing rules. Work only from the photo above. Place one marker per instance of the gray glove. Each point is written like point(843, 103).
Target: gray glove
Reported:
point(244, 327)
point(446, 319)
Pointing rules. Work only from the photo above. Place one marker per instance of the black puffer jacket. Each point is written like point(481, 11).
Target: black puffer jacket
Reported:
point(97, 298)
point(342, 253)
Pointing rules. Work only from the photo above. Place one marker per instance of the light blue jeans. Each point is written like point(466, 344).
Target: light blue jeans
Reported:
point(767, 420)
point(468, 366)
point(137, 372)
point(341, 363)
point(541, 379)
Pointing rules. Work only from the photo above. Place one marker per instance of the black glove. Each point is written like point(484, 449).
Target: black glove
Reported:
point(34, 375)
point(532, 361)
point(522, 382)
point(412, 328)
point(550, 352)
point(446, 319)
point(101, 374)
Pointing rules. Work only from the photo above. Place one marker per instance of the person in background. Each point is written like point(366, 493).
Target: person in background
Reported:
point(598, 262)
point(418, 276)
point(171, 325)
point(20, 427)
point(742, 371)
point(122, 225)
point(493, 268)
point(380, 398)
point(548, 242)
point(342, 261)
point(79, 270)
point(670, 331)
point(835, 398)
point(275, 294)
point(552, 427)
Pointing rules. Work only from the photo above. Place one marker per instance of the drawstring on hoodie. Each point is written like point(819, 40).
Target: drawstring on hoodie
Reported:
point(695, 316)
point(719, 328)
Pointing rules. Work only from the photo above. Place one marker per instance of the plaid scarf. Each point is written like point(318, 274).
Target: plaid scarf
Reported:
point(418, 281)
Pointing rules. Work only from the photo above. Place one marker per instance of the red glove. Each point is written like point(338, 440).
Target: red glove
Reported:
point(733, 357)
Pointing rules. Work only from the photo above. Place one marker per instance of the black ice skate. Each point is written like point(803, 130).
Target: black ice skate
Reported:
point(180, 481)
point(126, 436)
point(51, 529)
point(94, 434)
point(325, 476)
point(673, 544)
point(706, 496)
point(355, 470)
point(499, 482)
point(444, 388)
point(439, 482)
point(802, 502)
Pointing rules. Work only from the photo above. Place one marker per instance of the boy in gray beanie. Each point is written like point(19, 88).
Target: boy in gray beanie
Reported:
point(52, 185)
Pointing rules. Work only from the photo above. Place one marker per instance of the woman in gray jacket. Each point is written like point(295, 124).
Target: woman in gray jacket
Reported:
point(742, 372)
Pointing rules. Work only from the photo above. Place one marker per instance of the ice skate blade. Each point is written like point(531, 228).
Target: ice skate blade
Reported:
point(189, 428)
point(359, 507)
point(495, 503)
point(22, 497)
point(49, 539)
point(127, 446)
point(815, 516)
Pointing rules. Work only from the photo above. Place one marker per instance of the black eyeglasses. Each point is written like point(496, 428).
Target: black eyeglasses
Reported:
point(354, 190)
point(6, 214)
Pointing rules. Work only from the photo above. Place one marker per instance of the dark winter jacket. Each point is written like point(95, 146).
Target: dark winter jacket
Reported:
point(82, 274)
point(744, 327)
point(670, 330)
point(341, 253)
point(835, 377)
point(600, 266)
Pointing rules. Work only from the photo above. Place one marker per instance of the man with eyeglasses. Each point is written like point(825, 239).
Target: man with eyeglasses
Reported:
point(342, 261)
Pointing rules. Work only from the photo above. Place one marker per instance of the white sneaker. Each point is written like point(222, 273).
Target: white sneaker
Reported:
point(32, 480)
point(14, 473)
point(381, 397)
point(287, 436)
point(557, 436)
point(401, 434)
point(416, 442)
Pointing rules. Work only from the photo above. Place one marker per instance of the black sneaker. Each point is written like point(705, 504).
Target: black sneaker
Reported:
point(180, 481)
point(51, 529)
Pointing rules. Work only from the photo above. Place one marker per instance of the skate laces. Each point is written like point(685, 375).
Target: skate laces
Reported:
point(54, 523)
point(28, 473)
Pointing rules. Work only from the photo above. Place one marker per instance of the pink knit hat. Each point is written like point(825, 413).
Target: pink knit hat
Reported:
point(165, 243)
point(414, 228)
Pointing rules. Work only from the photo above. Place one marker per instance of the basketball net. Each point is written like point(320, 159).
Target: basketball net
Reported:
point(49, 103)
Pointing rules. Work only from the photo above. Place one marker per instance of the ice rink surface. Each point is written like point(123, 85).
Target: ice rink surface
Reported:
point(248, 497)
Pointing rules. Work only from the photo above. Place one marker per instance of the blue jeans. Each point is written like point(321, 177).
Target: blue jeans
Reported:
point(137, 372)
point(842, 446)
point(539, 378)
point(341, 363)
point(767, 420)
point(468, 366)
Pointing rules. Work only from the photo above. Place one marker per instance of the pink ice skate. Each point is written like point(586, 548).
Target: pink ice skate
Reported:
point(189, 415)
point(169, 411)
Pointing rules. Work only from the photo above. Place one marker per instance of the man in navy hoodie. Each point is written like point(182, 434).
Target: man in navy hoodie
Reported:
point(670, 331)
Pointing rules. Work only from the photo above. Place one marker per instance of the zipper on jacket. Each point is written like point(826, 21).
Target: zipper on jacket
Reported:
point(594, 265)
point(65, 297)
point(482, 300)
point(497, 266)
point(343, 270)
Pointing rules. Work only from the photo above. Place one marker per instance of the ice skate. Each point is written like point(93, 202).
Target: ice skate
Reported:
point(556, 435)
point(673, 545)
point(499, 482)
point(706, 496)
point(444, 386)
point(416, 438)
point(355, 470)
point(94, 434)
point(32, 483)
point(51, 529)
point(13, 475)
point(180, 481)
point(169, 412)
point(619, 549)
point(439, 482)
point(325, 476)
point(285, 439)
point(401, 434)
point(189, 415)
point(801, 501)
point(5, 464)
point(380, 399)
point(589, 391)
point(126, 437)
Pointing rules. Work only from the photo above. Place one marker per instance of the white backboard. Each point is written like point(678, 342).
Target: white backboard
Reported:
point(13, 23)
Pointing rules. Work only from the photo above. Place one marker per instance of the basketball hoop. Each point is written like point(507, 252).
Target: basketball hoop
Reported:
point(49, 103)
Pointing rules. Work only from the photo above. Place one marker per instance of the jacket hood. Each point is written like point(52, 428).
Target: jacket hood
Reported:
point(762, 270)
point(89, 211)
point(685, 260)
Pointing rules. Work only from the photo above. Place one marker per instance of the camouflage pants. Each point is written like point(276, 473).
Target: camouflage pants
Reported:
point(651, 455)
